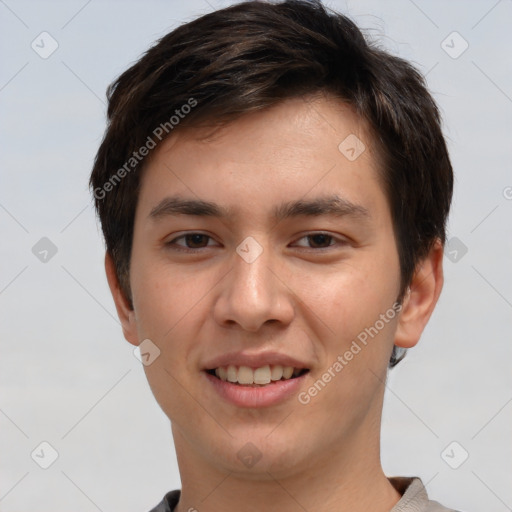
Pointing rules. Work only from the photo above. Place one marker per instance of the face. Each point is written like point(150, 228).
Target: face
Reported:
point(262, 248)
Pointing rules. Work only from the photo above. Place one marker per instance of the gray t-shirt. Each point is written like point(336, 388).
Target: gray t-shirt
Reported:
point(414, 498)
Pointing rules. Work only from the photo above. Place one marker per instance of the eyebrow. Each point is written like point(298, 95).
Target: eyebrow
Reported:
point(331, 205)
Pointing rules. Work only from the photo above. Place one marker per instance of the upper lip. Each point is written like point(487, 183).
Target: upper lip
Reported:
point(254, 360)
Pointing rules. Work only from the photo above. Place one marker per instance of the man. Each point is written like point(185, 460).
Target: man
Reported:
point(273, 192)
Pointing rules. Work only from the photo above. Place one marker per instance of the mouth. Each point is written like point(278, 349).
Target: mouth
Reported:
point(256, 377)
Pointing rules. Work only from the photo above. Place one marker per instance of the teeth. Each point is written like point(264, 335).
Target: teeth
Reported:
point(276, 373)
point(232, 373)
point(262, 375)
point(287, 372)
point(245, 375)
point(259, 376)
point(222, 373)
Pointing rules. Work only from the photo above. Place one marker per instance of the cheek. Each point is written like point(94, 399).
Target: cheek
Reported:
point(358, 310)
point(354, 296)
point(167, 306)
point(162, 296)
point(171, 307)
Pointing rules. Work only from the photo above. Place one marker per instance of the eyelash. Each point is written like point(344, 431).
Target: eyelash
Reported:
point(172, 243)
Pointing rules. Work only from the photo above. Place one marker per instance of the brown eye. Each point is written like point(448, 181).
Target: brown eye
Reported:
point(196, 240)
point(320, 240)
point(191, 241)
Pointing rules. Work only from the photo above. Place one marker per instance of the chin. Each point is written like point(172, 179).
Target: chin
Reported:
point(262, 456)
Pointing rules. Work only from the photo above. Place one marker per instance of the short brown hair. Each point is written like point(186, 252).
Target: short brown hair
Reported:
point(251, 56)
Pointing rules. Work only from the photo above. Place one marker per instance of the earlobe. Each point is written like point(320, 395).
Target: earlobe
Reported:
point(420, 302)
point(124, 311)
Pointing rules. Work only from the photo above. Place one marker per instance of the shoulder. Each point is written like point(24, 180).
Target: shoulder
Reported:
point(414, 496)
point(168, 503)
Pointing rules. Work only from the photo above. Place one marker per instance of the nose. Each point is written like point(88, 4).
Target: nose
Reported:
point(253, 295)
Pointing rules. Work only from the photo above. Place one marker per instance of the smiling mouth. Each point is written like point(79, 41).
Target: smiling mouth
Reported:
point(256, 377)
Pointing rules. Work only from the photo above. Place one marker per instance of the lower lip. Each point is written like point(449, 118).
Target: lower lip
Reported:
point(261, 396)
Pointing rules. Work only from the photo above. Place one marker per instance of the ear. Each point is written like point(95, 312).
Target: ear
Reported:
point(124, 311)
point(421, 300)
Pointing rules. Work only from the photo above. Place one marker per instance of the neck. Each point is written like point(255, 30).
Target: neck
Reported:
point(340, 480)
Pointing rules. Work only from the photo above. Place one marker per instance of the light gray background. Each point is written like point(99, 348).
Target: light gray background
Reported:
point(67, 375)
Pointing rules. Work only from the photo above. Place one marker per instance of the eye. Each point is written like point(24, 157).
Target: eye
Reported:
point(191, 241)
point(320, 241)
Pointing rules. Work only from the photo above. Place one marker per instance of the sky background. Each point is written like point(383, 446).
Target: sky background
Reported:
point(68, 377)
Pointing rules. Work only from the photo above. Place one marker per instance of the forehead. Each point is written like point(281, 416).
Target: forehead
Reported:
point(300, 146)
point(316, 118)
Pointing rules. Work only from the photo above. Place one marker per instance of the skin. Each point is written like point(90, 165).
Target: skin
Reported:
point(302, 296)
